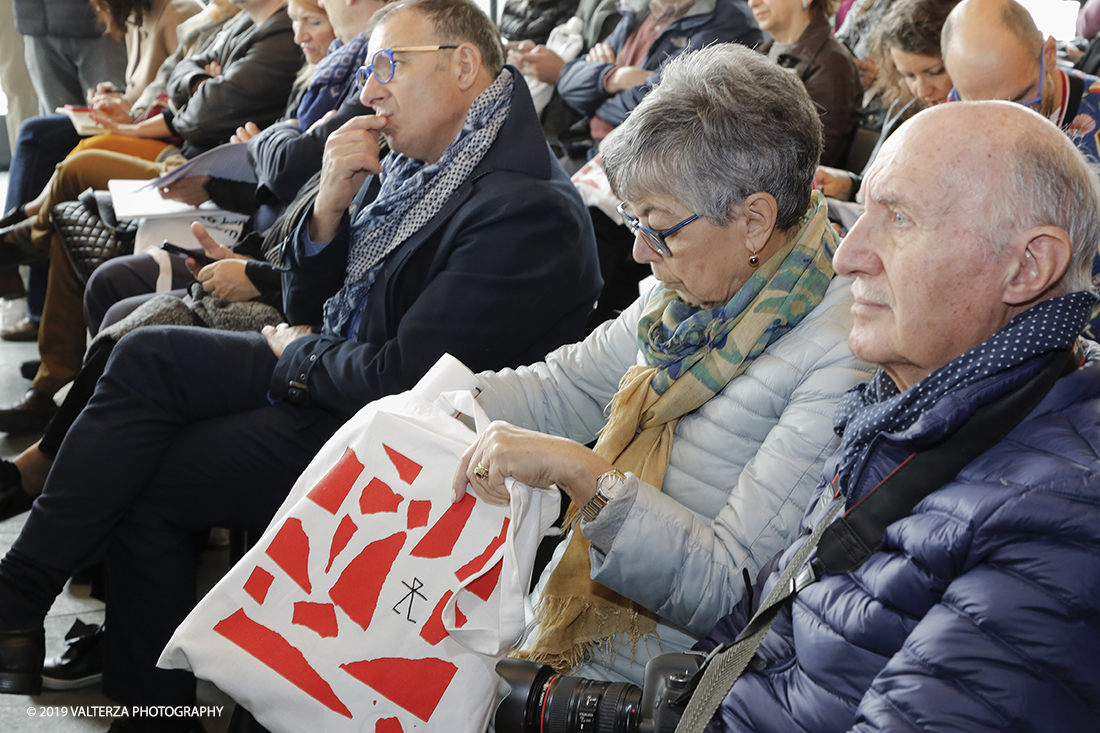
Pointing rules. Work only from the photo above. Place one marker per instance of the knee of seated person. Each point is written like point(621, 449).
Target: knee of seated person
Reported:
point(151, 343)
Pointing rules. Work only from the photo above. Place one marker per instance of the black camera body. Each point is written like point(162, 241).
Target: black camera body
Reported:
point(543, 701)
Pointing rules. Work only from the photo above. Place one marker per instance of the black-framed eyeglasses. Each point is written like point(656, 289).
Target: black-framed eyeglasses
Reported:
point(655, 239)
point(381, 63)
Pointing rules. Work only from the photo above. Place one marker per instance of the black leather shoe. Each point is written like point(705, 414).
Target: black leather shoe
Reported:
point(28, 415)
point(14, 216)
point(13, 500)
point(16, 240)
point(21, 655)
point(81, 665)
point(29, 369)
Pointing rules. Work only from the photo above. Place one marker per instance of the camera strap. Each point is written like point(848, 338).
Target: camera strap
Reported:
point(846, 543)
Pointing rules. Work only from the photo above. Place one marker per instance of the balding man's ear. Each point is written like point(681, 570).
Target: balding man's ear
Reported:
point(1040, 264)
point(467, 65)
point(1050, 53)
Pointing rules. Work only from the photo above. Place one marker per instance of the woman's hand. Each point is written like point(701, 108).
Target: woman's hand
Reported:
point(110, 107)
point(154, 127)
point(532, 458)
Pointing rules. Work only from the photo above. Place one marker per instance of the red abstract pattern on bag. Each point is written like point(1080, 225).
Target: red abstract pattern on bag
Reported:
point(342, 601)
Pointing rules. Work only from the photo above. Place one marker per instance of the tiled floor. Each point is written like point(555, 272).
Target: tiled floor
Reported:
point(55, 711)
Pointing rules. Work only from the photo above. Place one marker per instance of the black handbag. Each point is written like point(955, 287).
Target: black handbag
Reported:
point(90, 233)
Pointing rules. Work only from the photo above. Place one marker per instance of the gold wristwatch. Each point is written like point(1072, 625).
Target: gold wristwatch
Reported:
point(607, 488)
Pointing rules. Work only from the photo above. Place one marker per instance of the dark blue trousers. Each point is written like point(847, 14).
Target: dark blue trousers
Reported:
point(179, 435)
point(43, 143)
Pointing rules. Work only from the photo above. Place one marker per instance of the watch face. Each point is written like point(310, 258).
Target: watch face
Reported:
point(609, 482)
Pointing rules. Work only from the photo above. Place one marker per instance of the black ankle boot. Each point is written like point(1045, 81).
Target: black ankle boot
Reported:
point(21, 656)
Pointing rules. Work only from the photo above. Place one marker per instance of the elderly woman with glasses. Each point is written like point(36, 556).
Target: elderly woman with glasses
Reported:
point(710, 399)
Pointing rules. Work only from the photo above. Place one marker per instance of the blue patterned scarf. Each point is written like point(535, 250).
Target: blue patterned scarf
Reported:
point(877, 407)
point(330, 78)
point(412, 193)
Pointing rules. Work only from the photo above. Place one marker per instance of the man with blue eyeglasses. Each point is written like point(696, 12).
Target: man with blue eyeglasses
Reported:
point(466, 238)
point(993, 50)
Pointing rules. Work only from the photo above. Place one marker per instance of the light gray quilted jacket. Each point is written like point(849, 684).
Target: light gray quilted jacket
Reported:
point(742, 468)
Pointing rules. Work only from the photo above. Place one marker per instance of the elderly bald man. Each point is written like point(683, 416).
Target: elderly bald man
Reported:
point(993, 50)
point(974, 607)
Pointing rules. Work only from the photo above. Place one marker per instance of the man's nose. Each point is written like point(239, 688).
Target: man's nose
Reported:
point(372, 91)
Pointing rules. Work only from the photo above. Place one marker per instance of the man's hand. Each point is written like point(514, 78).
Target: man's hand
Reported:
point(623, 78)
point(833, 182)
point(601, 53)
point(283, 335)
point(245, 133)
point(542, 63)
point(188, 190)
point(226, 279)
point(351, 155)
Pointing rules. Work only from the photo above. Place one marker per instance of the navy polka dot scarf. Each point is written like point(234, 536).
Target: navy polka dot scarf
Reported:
point(876, 407)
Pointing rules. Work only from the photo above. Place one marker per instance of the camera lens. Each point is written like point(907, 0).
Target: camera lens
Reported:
point(576, 705)
point(542, 701)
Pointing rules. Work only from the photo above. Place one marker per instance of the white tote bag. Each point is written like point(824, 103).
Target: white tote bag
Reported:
point(372, 603)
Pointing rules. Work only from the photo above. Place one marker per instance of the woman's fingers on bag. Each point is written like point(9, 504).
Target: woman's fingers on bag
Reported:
point(474, 473)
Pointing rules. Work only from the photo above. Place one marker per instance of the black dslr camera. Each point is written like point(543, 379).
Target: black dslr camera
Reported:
point(543, 701)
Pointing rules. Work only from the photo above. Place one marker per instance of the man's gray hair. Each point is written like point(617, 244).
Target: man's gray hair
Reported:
point(723, 123)
point(1051, 184)
point(454, 21)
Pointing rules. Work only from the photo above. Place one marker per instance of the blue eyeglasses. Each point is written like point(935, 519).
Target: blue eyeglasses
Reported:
point(381, 63)
point(1034, 104)
point(655, 239)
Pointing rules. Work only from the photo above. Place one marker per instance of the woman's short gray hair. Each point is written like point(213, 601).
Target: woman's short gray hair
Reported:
point(723, 123)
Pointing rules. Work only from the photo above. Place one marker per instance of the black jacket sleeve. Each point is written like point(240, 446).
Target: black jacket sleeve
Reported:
point(258, 69)
point(285, 157)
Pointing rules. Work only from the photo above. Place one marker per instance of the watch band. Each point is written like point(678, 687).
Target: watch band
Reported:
point(605, 485)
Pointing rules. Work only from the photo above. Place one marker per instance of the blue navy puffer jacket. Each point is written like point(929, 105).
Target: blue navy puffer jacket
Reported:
point(580, 83)
point(61, 18)
point(979, 612)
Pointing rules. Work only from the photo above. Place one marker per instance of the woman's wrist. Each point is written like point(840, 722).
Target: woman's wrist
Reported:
point(580, 483)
